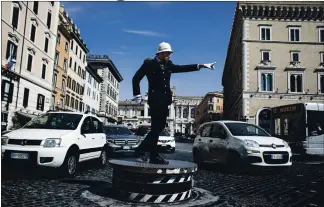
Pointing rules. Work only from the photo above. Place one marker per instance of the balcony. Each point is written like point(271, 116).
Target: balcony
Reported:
point(266, 64)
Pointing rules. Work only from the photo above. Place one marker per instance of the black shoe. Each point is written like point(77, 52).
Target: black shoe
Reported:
point(158, 160)
point(140, 155)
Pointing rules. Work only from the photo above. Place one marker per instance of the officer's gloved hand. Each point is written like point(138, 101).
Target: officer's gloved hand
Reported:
point(209, 65)
point(138, 99)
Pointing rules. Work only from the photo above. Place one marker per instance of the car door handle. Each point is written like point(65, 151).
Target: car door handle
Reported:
point(92, 137)
point(199, 139)
point(210, 140)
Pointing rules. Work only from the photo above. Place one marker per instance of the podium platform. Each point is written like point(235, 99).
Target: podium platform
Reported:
point(138, 181)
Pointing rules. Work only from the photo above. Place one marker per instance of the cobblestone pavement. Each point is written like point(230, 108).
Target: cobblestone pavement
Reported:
point(302, 185)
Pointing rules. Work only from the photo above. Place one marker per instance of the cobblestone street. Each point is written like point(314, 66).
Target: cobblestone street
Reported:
point(301, 186)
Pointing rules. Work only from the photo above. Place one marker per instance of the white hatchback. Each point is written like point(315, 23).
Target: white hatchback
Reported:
point(236, 143)
point(56, 139)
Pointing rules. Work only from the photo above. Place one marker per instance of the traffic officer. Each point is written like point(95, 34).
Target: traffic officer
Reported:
point(158, 72)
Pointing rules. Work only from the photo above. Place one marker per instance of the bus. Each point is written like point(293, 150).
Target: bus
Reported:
point(301, 125)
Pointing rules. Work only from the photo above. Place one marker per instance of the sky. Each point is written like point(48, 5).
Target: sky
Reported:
point(129, 32)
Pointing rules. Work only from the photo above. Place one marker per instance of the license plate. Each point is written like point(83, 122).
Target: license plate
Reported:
point(276, 157)
point(163, 145)
point(23, 156)
point(126, 147)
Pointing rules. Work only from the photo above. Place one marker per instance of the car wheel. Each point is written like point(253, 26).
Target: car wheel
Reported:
point(70, 164)
point(172, 150)
point(103, 157)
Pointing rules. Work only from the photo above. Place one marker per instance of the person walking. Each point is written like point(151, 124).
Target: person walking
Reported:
point(158, 72)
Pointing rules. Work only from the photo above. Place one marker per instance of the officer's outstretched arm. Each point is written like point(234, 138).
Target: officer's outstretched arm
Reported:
point(140, 73)
point(184, 68)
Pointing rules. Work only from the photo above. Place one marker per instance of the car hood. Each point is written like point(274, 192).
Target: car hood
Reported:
point(261, 140)
point(121, 136)
point(36, 133)
point(165, 138)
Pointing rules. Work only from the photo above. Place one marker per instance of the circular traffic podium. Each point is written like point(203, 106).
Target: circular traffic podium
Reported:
point(138, 181)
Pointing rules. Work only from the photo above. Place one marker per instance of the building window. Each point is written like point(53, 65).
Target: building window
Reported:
point(83, 58)
point(49, 19)
point(26, 96)
point(46, 45)
point(64, 64)
point(193, 113)
point(265, 55)
point(321, 35)
point(11, 49)
point(73, 85)
point(296, 82)
point(71, 44)
point(40, 102)
point(58, 38)
point(75, 66)
point(29, 62)
point(66, 46)
point(321, 56)
point(67, 100)
point(294, 34)
point(80, 54)
point(295, 57)
point(55, 79)
point(72, 102)
point(43, 71)
point(7, 91)
point(76, 49)
point(15, 15)
point(57, 56)
point(321, 82)
point(265, 33)
point(63, 84)
point(32, 33)
point(210, 107)
point(69, 82)
point(266, 81)
point(52, 3)
point(35, 8)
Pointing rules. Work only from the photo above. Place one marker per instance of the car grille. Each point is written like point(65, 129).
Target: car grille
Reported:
point(163, 141)
point(125, 142)
point(24, 142)
point(267, 157)
point(270, 146)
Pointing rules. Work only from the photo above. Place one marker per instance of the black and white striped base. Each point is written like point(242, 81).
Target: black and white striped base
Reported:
point(160, 184)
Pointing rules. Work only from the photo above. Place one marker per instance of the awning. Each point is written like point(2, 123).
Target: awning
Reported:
point(31, 116)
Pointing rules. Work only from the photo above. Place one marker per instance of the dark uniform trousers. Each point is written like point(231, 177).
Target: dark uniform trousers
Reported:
point(159, 96)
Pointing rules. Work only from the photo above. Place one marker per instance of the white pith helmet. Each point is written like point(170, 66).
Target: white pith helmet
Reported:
point(164, 47)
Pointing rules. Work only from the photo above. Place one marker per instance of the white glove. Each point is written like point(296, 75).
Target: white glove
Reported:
point(138, 99)
point(209, 65)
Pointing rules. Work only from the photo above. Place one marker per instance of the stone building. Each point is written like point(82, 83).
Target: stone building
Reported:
point(28, 39)
point(210, 108)
point(275, 57)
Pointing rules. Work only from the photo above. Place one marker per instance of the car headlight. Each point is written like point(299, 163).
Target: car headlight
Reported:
point(110, 141)
point(52, 142)
point(251, 143)
point(285, 144)
point(4, 140)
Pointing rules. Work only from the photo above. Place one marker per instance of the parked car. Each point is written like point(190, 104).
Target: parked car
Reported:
point(120, 139)
point(166, 141)
point(58, 139)
point(239, 143)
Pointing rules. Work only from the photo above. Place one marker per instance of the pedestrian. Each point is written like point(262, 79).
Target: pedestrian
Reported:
point(158, 72)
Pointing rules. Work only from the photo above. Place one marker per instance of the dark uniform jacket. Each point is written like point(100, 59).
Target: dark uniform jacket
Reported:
point(158, 76)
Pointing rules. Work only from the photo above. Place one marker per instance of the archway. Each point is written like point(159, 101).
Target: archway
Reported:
point(264, 118)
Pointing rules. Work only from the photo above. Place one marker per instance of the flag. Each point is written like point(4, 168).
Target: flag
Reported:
point(11, 60)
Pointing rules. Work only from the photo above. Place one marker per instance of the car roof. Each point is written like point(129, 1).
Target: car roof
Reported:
point(225, 121)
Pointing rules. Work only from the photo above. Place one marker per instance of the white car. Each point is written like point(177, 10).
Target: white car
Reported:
point(166, 141)
point(236, 143)
point(57, 139)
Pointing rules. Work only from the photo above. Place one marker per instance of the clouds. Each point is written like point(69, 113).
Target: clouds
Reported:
point(73, 8)
point(144, 32)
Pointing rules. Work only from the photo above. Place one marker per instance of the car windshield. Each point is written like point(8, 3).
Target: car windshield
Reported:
point(243, 129)
point(117, 131)
point(164, 133)
point(64, 121)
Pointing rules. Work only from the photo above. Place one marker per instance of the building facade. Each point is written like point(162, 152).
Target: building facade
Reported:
point(61, 60)
point(29, 32)
point(92, 90)
point(109, 88)
point(181, 116)
point(275, 57)
point(76, 69)
point(210, 108)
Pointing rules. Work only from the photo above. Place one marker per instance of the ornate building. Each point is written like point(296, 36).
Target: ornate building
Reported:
point(275, 57)
point(181, 113)
point(109, 88)
point(210, 108)
point(29, 32)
